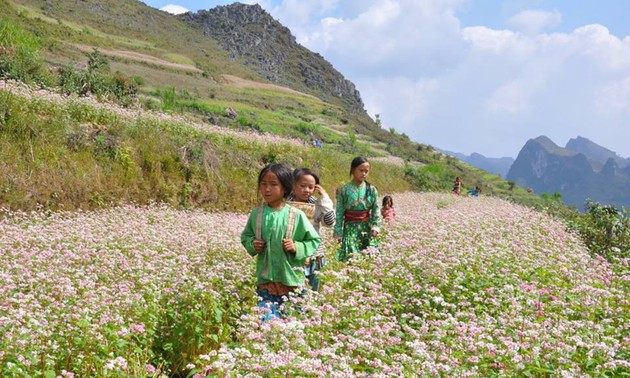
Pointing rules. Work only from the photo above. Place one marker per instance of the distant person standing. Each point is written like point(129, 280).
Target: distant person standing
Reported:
point(358, 214)
point(457, 186)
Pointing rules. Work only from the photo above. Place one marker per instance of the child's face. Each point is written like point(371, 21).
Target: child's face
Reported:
point(271, 189)
point(304, 187)
point(360, 173)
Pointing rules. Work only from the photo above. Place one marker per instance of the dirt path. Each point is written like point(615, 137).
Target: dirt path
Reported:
point(140, 58)
point(238, 82)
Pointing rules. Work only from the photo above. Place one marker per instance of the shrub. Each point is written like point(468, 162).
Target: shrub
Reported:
point(605, 230)
point(168, 98)
point(19, 55)
point(97, 80)
point(426, 178)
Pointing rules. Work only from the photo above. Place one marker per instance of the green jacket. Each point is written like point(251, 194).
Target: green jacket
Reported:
point(274, 264)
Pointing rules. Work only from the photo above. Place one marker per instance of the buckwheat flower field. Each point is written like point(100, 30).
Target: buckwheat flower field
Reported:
point(461, 287)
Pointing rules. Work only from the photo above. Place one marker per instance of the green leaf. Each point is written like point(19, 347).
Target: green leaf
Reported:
point(218, 315)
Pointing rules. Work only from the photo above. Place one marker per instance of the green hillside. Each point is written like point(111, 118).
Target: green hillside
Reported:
point(139, 63)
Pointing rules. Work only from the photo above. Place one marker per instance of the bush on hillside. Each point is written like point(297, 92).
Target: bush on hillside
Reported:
point(98, 80)
point(605, 230)
point(20, 60)
point(434, 177)
point(19, 55)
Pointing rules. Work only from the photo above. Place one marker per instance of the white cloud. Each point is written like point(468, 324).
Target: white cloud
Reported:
point(417, 36)
point(301, 12)
point(174, 9)
point(472, 89)
point(499, 42)
point(609, 51)
point(410, 99)
point(534, 21)
point(614, 97)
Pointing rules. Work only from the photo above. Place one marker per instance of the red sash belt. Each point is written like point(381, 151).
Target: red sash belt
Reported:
point(356, 215)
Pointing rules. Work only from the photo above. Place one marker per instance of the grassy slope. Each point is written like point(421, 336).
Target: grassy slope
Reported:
point(65, 153)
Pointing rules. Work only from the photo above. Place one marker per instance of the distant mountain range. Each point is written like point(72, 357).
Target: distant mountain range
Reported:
point(496, 166)
point(581, 170)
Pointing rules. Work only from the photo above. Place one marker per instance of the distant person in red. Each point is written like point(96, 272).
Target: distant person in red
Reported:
point(387, 210)
point(457, 186)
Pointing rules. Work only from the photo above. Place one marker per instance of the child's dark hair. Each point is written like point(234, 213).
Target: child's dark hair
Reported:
point(388, 199)
point(284, 174)
point(356, 162)
point(299, 172)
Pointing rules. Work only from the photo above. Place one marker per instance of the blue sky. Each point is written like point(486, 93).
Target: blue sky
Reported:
point(475, 75)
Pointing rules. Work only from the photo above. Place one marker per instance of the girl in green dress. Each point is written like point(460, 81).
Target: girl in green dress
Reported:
point(358, 215)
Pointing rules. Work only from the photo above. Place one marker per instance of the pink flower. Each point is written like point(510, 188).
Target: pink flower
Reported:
point(137, 328)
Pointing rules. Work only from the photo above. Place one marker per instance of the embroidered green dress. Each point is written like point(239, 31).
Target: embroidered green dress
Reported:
point(358, 214)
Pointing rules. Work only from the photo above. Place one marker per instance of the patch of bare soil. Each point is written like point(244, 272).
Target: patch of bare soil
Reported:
point(141, 58)
point(238, 82)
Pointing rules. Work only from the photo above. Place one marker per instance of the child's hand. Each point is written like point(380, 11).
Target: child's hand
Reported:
point(320, 190)
point(259, 245)
point(288, 246)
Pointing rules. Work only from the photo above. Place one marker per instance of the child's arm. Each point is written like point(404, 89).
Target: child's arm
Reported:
point(326, 210)
point(338, 230)
point(375, 214)
point(248, 236)
point(305, 240)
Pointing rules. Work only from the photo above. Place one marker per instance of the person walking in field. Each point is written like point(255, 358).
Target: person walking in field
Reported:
point(281, 238)
point(320, 211)
point(358, 214)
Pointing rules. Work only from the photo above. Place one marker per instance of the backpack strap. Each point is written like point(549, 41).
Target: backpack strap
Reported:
point(259, 222)
point(291, 222)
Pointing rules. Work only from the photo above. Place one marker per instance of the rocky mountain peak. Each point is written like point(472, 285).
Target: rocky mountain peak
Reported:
point(594, 151)
point(250, 34)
